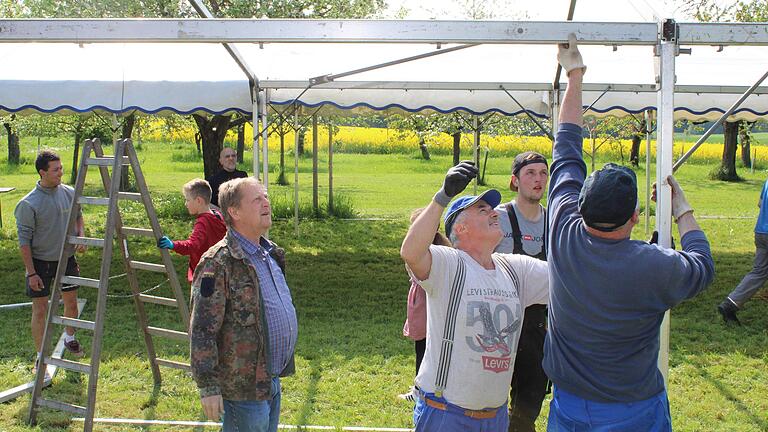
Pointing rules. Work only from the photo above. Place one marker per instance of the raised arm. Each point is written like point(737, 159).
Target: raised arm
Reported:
point(570, 58)
point(415, 248)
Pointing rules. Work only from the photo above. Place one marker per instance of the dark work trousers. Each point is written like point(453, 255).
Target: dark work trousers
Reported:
point(420, 346)
point(529, 382)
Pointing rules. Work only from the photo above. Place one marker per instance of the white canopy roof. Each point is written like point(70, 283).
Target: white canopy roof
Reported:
point(202, 77)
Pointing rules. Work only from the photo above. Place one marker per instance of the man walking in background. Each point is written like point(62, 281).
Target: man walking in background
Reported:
point(608, 293)
point(523, 222)
point(41, 223)
point(755, 279)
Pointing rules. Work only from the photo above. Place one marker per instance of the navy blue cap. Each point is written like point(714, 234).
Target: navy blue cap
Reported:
point(491, 196)
point(609, 197)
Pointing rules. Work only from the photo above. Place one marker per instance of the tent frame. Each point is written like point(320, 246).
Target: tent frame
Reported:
point(665, 36)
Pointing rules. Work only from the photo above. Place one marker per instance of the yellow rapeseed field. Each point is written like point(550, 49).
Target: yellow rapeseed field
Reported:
point(350, 139)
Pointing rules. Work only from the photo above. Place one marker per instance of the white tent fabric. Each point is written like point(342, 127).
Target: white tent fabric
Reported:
point(187, 78)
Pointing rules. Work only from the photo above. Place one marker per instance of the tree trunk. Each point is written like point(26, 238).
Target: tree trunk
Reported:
point(456, 148)
point(637, 139)
point(76, 155)
point(281, 180)
point(127, 131)
point(240, 143)
point(301, 141)
point(14, 152)
point(745, 139)
point(423, 148)
point(212, 133)
point(728, 165)
point(198, 142)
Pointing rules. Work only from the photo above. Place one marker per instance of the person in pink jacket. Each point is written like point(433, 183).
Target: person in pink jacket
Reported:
point(415, 327)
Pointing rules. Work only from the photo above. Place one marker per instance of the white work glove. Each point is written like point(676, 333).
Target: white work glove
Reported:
point(680, 205)
point(569, 56)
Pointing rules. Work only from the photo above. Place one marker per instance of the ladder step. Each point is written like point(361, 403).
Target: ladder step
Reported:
point(69, 365)
point(171, 334)
point(74, 322)
point(81, 281)
point(141, 265)
point(88, 241)
point(106, 161)
point(93, 200)
point(138, 232)
point(61, 406)
point(130, 196)
point(157, 300)
point(174, 364)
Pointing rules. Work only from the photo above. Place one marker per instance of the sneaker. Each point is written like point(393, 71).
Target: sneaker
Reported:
point(74, 348)
point(47, 378)
point(728, 310)
point(410, 396)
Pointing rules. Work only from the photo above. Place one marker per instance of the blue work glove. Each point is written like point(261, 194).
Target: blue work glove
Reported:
point(165, 243)
point(456, 180)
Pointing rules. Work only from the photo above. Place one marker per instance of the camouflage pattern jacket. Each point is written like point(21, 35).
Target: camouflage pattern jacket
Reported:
point(228, 338)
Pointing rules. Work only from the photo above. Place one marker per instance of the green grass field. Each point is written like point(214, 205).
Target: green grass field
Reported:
point(350, 287)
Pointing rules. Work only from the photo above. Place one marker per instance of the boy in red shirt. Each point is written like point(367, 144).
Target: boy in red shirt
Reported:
point(209, 226)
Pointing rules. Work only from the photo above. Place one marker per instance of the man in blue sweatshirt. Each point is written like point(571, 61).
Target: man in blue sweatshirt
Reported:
point(608, 294)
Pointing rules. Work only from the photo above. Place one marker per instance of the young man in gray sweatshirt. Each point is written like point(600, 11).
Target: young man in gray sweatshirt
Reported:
point(41, 222)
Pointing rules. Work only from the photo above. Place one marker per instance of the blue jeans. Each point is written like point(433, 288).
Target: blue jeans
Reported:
point(428, 419)
point(570, 413)
point(253, 415)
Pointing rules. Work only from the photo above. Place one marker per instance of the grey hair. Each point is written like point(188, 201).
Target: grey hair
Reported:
point(452, 236)
point(231, 193)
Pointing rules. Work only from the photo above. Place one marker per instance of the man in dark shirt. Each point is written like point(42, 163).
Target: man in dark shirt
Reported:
point(608, 293)
point(229, 171)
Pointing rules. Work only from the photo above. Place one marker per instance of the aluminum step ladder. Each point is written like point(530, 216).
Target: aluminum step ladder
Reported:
point(93, 155)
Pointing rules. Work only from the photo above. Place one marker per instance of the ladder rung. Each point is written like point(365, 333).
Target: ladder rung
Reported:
point(171, 334)
point(106, 161)
point(157, 300)
point(93, 200)
point(138, 231)
point(81, 281)
point(61, 406)
point(69, 365)
point(173, 364)
point(141, 265)
point(88, 241)
point(131, 196)
point(74, 322)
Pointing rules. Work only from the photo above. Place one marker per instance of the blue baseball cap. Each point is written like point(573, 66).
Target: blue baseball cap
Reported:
point(608, 197)
point(491, 196)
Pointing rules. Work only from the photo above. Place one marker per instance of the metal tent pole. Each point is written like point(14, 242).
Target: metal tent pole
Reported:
point(296, 132)
point(647, 115)
point(255, 115)
point(315, 203)
point(476, 150)
point(667, 50)
point(265, 137)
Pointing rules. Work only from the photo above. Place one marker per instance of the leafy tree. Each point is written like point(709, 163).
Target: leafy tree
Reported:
point(714, 11)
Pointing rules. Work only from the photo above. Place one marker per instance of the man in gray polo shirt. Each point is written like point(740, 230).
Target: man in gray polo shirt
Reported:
point(41, 222)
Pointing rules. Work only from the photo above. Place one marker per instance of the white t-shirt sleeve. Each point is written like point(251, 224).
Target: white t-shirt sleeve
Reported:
point(534, 286)
point(444, 262)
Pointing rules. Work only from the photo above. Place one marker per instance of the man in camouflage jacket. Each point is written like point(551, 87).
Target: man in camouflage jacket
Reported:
point(243, 330)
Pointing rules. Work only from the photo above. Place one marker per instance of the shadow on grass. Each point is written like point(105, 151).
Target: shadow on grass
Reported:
point(737, 403)
point(305, 411)
point(150, 405)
